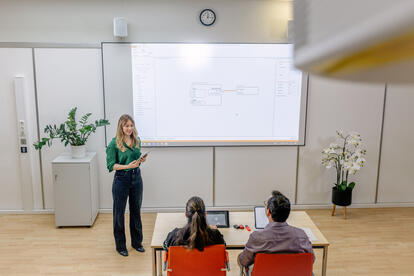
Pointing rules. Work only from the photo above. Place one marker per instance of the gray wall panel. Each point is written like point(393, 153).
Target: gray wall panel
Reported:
point(246, 176)
point(397, 165)
point(117, 84)
point(14, 62)
point(346, 106)
point(68, 78)
point(172, 175)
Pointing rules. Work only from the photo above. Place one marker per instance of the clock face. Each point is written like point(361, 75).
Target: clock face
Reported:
point(207, 17)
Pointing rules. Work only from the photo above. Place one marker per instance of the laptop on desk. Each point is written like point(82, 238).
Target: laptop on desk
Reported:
point(260, 218)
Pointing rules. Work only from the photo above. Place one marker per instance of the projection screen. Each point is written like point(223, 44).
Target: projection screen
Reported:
point(210, 94)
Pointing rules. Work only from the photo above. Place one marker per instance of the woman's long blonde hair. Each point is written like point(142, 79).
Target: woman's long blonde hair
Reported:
point(123, 120)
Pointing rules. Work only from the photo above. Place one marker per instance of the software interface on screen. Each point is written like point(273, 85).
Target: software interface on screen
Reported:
point(260, 217)
point(199, 94)
point(216, 219)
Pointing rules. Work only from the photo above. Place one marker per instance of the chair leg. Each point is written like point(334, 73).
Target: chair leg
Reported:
point(344, 212)
point(333, 210)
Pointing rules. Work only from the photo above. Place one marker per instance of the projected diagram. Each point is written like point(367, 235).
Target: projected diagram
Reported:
point(187, 94)
point(209, 94)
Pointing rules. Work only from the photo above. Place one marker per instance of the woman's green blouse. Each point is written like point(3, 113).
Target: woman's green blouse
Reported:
point(115, 156)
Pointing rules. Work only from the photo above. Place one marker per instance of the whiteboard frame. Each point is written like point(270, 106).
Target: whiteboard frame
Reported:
point(110, 129)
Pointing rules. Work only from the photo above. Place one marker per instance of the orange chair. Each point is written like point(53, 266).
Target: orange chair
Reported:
point(181, 261)
point(283, 264)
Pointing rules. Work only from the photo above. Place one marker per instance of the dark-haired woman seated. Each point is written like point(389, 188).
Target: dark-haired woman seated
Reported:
point(196, 233)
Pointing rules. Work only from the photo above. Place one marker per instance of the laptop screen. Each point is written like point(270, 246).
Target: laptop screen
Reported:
point(260, 218)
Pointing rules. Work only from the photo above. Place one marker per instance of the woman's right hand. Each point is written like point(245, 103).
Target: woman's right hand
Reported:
point(134, 164)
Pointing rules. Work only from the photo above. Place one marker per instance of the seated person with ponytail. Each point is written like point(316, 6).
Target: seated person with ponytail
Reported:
point(196, 233)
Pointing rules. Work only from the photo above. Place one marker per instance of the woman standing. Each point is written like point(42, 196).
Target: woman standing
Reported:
point(123, 155)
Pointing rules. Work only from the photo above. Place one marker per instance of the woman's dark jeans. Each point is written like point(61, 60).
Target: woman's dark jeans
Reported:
point(127, 183)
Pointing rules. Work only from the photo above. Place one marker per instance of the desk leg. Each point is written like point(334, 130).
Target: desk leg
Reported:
point(324, 260)
point(160, 263)
point(154, 262)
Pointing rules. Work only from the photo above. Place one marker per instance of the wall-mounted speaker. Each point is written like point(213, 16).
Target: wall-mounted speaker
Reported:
point(120, 27)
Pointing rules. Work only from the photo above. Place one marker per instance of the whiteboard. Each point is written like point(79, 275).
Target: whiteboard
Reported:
point(213, 94)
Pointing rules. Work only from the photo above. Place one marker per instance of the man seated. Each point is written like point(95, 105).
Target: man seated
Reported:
point(277, 236)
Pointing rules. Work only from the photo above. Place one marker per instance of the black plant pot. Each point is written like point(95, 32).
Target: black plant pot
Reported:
point(341, 198)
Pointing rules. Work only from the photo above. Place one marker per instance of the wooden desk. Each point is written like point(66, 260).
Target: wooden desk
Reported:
point(235, 239)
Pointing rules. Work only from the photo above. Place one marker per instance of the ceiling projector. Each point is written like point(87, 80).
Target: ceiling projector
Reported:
point(370, 40)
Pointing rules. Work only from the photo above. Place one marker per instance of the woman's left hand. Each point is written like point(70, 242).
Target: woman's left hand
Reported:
point(142, 160)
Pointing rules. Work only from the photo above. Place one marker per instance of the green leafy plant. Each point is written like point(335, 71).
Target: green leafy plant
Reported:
point(69, 133)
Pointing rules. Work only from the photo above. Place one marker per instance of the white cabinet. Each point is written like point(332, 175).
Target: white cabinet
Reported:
point(76, 189)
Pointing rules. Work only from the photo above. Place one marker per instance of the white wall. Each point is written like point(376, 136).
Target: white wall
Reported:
point(172, 175)
point(60, 82)
point(90, 21)
point(13, 192)
point(339, 105)
point(69, 77)
point(244, 176)
point(231, 176)
point(397, 165)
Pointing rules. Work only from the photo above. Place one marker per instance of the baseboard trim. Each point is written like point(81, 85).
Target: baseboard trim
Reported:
point(356, 205)
point(230, 208)
point(250, 208)
point(25, 212)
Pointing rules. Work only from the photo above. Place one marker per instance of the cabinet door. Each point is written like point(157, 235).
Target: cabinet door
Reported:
point(72, 194)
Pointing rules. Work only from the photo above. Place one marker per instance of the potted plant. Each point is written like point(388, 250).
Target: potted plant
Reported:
point(347, 157)
point(69, 133)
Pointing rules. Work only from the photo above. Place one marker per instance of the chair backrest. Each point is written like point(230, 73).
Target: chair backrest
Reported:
point(209, 262)
point(299, 264)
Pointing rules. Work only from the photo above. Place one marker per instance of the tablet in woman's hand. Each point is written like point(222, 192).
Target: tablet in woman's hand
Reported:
point(143, 155)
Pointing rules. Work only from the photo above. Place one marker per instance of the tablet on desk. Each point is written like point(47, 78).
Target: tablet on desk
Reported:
point(260, 218)
point(218, 218)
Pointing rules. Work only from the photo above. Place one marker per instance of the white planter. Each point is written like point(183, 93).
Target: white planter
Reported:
point(78, 151)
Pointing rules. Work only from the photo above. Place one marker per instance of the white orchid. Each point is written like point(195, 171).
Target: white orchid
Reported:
point(348, 165)
point(355, 167)
point(330, 164)
point(360, 161)
point(346, 156)
point(353, 138)
point(340, 133)
point(333, 145)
